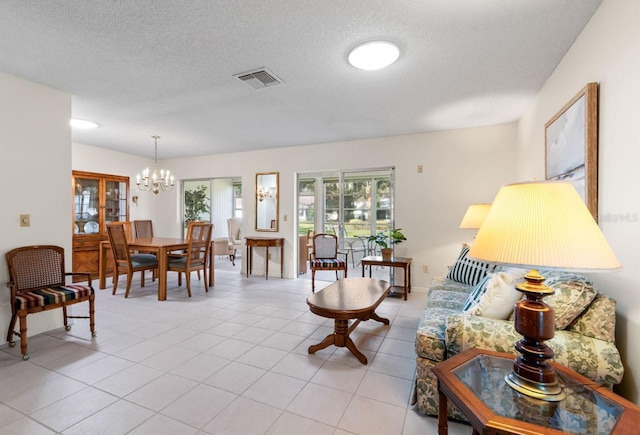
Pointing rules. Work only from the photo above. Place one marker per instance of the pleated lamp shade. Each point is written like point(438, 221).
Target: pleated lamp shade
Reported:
point(542, 224)
point(475, 215)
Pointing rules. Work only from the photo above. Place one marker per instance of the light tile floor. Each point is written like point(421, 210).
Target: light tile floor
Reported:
point(231, 361)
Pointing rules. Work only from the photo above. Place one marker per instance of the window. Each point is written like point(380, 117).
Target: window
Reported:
point(306, 205)
point(237, 199)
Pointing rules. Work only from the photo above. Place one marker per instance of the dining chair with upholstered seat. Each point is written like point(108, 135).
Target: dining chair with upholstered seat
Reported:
point(324, 256)
point(37, 282)
point(124, 260)
point(196, 256)
point(144, 229)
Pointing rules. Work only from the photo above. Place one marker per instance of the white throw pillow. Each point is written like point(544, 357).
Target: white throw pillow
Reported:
point(500, 296)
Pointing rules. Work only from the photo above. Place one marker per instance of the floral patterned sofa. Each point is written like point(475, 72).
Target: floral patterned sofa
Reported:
point(583, 341)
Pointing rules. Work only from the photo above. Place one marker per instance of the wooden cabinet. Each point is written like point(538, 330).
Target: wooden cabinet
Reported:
point(97, 200)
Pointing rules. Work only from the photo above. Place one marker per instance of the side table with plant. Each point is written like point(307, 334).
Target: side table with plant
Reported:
point(387, 240)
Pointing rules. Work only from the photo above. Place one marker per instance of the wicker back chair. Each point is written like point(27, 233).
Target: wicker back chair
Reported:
point(196, 257)
point(144, 228)
point(37, 283)
point(324, 256)
point(124, 260)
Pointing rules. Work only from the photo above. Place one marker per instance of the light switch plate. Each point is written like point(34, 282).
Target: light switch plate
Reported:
point(25, 220)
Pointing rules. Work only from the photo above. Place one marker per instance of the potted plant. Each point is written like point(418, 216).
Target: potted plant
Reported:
point(386, 241)
point(195, 204)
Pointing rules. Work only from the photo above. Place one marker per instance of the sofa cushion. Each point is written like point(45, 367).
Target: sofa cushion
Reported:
point(598, 320)
point(444, 298)
point(573, 294)
point(466, 270)
point(430, 340)
point(499, 295)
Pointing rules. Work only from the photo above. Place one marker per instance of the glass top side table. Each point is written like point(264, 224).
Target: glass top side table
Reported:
point(474, 382)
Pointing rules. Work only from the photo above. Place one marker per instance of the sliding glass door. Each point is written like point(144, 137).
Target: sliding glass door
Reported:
point(350, 204)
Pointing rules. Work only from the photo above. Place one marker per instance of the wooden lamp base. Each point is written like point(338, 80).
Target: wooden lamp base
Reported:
point(532, 375)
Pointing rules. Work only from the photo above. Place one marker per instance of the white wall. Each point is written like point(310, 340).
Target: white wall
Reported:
point(608, 52)
point(460, 167)
point(35, 172)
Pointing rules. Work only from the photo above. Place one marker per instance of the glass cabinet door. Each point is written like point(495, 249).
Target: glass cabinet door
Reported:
point(115, 201)
point(87, 206)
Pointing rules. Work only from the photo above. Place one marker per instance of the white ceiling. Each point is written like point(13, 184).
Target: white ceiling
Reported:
point(143, 67)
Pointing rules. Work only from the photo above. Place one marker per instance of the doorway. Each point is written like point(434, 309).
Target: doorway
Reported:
point(212, 200)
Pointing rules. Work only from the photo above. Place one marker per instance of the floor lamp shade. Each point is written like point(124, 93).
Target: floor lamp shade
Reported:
point(475, 215)
point(543, 224)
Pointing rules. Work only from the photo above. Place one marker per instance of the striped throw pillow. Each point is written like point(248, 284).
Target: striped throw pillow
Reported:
point(476, 294)
point(467, 271)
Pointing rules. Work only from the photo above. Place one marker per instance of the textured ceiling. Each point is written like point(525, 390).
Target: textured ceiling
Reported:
point(143, 67)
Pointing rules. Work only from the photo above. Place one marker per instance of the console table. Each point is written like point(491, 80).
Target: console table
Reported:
point(265, 242)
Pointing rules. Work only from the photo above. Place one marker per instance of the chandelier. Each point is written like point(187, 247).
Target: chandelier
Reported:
point(158, 180)
point(264, 193)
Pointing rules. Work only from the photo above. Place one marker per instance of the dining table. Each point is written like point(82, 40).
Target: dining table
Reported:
point(160, 246)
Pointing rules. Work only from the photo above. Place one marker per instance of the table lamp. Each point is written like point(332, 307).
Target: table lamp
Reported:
point(540, 224)
point(474, 216)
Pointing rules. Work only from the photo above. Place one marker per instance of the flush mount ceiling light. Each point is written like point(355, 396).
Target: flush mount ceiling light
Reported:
point(374, 55)
point(82, 124)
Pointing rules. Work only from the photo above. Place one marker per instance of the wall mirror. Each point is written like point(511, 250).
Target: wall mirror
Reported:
point(267, 201)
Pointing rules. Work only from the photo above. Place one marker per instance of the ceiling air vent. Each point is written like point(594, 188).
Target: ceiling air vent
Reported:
point(259, 79)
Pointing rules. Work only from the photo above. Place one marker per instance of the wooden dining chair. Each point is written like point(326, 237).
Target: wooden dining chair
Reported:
point(37, 283)
point(124, 260)
point(324, 256)
point(196, 256)
point(144, 228)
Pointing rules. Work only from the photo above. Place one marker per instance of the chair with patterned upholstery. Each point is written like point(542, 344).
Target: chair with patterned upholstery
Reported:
point(324, 256)
point(37, 280)
point(124, 260)
point(196, 257)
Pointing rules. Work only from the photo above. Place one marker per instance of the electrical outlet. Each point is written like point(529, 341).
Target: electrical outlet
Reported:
point(284, 218)
point(25, 220)
point(425, 269)
point(269, 256)
point(420, 168)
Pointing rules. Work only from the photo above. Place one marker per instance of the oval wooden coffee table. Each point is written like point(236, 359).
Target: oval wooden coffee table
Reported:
point(348, 298)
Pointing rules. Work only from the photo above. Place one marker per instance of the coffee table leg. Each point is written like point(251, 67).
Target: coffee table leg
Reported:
point(377, 318)
point(354, 350)
point(340, 338)
point(328, 341)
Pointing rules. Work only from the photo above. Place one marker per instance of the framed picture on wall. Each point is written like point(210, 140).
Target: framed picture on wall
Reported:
point(571, 145)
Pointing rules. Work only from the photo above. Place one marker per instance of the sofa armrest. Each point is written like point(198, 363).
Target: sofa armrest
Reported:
point(596, 359)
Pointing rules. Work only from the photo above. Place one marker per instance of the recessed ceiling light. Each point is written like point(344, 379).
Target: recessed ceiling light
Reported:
point(82, 124)
point(374, 55)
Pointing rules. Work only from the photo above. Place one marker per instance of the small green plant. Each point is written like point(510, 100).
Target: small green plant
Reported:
point(388, 239)
point(195, 204)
